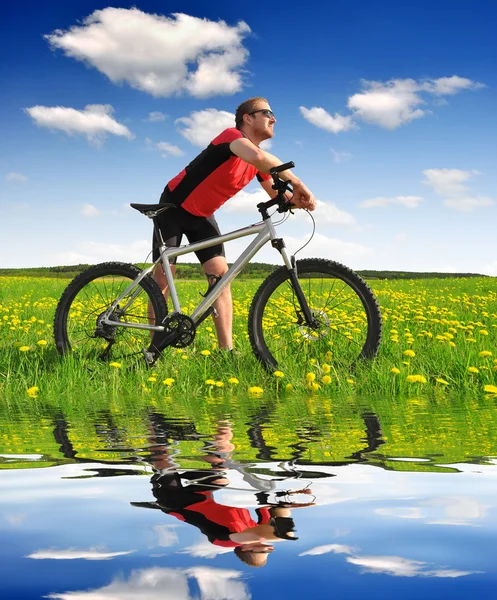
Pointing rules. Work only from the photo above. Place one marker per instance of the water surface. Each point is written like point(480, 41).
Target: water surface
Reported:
point(115, 501)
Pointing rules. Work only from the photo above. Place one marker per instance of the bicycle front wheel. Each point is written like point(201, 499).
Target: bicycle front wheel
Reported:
point(77, 324)
point(346, 318)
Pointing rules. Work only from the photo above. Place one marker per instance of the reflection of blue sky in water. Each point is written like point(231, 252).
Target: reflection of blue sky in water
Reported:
point(380, 532)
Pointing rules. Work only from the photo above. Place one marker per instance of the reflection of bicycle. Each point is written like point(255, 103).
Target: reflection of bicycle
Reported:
point(311, 308)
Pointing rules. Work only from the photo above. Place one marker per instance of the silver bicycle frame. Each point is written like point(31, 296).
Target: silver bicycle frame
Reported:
point(265, 232)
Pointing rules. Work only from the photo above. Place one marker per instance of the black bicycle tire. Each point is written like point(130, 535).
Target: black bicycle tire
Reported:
point(149, 286)
point(307, 266)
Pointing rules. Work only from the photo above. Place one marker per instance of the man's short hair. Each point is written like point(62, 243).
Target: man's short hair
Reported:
point(245, 108)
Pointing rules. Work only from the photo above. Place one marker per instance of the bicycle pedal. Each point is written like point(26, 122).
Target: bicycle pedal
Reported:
point(150, 357)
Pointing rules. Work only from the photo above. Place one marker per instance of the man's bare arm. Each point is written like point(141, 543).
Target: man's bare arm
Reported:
point(264, 161)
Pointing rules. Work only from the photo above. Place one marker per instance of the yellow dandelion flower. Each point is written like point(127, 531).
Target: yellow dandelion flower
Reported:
point(152, 379)
point(326, 379)
point(279, 374)
point(473, 370)
point(255, 390)
point(168, 381)
point(452, 344)
point(442, 381)
point(409, 353)
point(485, 353)
point(491, 389)
point(210, 382)
point(206, 352)
point(395, 370)
point(350, 381)
point(288, 387)
point(42, 342)
point(483, 332)
point(314, 386)
point(310, 377)
point(115, 365)
point(326, 368)
point(24, 348)
point(233, 380)
point(219, 384)
point(416, 379)
point(32, 392)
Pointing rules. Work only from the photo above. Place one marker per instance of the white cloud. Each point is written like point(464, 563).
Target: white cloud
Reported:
point(202, 126)
point(245, 202)
point(16, 177)
point(326, 247)
point(322, 119)
point(448, 86)
point(468, 203)
point(95, 252)
point(335, 548)
point(76, 554)
point(396, 102)
point(449, 183)
point(340, 157)
point(381, 202)
point(327, 212)
point(163, 56)
point(489, 268)
point(155, 116)
point(169, 149)
point(160, 583)
point(95, 121)
point(88, 210)
point(387, 104)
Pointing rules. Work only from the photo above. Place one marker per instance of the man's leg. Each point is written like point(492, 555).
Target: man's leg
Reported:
point(224, 321)
point(160, 278)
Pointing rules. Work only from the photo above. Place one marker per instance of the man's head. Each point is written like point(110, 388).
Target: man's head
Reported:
point(255, 118)
point(254, 555)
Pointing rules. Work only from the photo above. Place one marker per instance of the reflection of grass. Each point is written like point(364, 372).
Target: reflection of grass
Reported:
point(309, 429)
point(440, 338)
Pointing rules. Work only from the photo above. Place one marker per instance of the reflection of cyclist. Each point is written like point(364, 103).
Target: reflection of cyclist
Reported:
point(190, 498)
point(224, 168)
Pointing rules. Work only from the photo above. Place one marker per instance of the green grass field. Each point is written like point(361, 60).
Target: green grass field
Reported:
point(439, 339)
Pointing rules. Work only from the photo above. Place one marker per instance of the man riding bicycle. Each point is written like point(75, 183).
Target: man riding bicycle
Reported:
point(224, 168)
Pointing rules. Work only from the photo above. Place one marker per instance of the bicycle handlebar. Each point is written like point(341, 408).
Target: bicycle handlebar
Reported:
point(281, 186)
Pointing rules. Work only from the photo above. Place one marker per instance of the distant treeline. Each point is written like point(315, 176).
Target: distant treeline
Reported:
point(253, 270)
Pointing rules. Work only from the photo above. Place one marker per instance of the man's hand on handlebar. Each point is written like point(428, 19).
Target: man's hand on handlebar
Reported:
point(302, 196)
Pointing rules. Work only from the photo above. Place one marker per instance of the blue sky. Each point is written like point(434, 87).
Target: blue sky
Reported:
point(386, 108)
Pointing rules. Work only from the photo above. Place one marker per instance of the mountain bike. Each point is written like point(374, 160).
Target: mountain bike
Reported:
point(306, 310)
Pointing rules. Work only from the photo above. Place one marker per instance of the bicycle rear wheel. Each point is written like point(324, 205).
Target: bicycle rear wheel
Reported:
point(347, 320)
point(76, 325)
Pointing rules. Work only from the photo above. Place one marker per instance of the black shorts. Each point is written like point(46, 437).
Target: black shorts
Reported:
point(175, 222)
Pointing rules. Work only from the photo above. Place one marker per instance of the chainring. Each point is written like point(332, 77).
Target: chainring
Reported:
point(181, 327)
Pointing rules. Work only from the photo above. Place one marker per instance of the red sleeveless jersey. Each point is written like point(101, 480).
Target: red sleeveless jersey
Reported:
point(213, 177)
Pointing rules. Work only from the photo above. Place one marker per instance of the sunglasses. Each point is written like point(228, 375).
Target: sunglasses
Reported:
point(265, 111)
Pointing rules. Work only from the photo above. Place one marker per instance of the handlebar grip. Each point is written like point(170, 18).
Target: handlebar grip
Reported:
point(288, 165)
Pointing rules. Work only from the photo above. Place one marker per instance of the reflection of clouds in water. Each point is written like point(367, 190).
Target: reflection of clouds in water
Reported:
point(167, 584)
point(335, 548)
point(407, 512)
point(166, 536)
point(388, 565)
point(401, 567)
point(75, 553)
point(456, 511)
point(14, 520)
point(205, 549)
